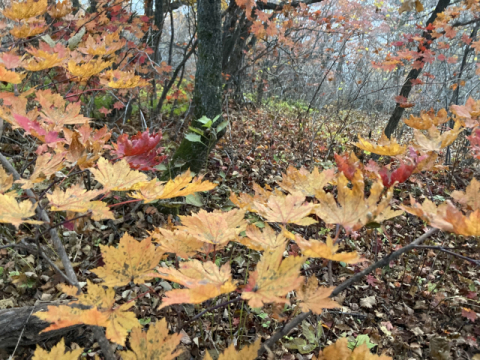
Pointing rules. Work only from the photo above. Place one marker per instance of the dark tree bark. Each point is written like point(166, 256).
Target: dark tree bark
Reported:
point(207, 94)
point(414, 73)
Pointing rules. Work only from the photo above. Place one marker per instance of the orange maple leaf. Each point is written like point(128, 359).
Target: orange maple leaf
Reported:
point(6, 181)
point(132, 261)
point(304, 181)
point(156, 343)
point(273, 279)
point(83, 72)
point(470, 199)
point(314, 298)
point(28, 30)
point(249, 352)
point(10, 76)
point(203, 281)
point(43, 61)
point(287, 209)
point(118, 176)
point(45, 166)
point(216, 228)
point(427, 119)
point(385, 147)
point(60, 9)
point(340, 351)
point(328, 250)
point(435, 141)
point(117, 79)
point(182, 185)
point(57, 353)
point(246, 201)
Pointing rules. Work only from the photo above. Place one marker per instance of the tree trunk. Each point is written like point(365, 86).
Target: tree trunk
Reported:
point(207, 94)
point(414, 73)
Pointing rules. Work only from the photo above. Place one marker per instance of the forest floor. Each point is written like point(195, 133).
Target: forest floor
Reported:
point(418, 303)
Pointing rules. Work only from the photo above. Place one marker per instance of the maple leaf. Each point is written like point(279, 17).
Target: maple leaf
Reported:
point(57, 353)
point(246, 201)
point(132, 261)
point(435, 140)
point(100, 312)
point(76, 199)
point(6, 181)
point(328, 250)
point(314, 298)
point(43, 61)
point(12, 212)
point(29, 30)
point(348, 164)
point(249, 352)
point(60, 9)
point(273, 279)
point(25, 10)
point(216, 228)
point(427, 119)
point(45, 166)
point(85, 71)
point(385, 147)
point(353, 210)
point(287, 209)
point(10, 60)
point(340, 351)
point(203, 281)
point(117, 79)
point(10, 76)
point(182, 185)
point(469, 314)
point(471, 197)
point(156, 343)
point(119, 176)
point(259, 241)
point(302, 180)
point(399, 175)
point(176, 242)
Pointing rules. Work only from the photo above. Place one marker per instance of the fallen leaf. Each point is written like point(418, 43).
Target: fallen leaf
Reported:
point(314, 298)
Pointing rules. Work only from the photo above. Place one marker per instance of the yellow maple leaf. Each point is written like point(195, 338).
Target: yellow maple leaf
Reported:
point(117, 79)
point(340, 351)
point(203, 281)
point(304, 181)
point(6, 181)
point(83, 72)
point(106, 45)
point(99, 312)
point(470, 198)
point(11, 77)
point(76, 199)
point(328, 250)
point(354, 211)
point(177, 242)
point(314, 298)
point(57, 353)
point(385, 147)
point(436, 141)
point(28, 30)
point(156, 343)
point(25, 10)
point(60, 9)
point(246, 201)
point(43, 61)
point(12, 212)
point(427, 119)
point(259, 241)
point(132, 261)
point(216, 228)
point(273, 279)
point(182, 185)
point(118, 176)
point(249, 352)
point(287, 209)
point(45, 166)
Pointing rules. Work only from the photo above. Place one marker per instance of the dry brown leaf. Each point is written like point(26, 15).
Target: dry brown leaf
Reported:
point(132, 261)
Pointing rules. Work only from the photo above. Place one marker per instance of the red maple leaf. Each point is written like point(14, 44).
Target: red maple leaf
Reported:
point(347, 165)
point(400, 175)
point(469, 314)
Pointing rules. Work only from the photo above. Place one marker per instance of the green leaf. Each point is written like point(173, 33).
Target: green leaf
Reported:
point(360, 340)
point(194, 199)
point(204, 120)
point(193, 137)
point(222, 126)
point(195, 130)
point(308, 332)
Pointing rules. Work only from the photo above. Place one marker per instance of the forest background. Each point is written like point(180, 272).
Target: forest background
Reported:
point(239, 179)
